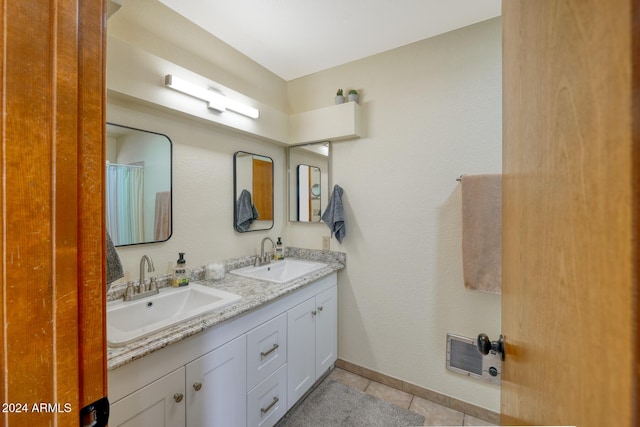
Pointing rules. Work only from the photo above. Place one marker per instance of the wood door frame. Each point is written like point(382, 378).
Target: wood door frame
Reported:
point(51, 196)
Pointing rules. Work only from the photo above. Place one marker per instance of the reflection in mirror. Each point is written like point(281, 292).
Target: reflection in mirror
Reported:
point(253, 192)
point(138, 181)
point(309, 193)
point(308, 181)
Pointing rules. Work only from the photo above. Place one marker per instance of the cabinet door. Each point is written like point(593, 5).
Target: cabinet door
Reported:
point(161, 403)
point(217, 387)
point(326, 330)
point(301, 341)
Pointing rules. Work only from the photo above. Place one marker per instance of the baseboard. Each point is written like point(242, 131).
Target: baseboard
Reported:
point(444, 400)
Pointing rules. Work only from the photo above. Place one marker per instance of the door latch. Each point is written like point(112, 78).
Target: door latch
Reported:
point(95, 414)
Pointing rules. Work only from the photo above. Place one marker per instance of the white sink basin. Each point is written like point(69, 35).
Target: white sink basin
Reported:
point(280, 271)
point(132, 320)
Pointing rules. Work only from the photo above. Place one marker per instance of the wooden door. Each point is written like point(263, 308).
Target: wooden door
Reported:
point(263, 188)
point(51, 197)
point(570, 193)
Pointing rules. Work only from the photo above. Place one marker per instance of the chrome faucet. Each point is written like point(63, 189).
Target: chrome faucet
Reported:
point(150, 269)
point(265, 259)
point(131, 294)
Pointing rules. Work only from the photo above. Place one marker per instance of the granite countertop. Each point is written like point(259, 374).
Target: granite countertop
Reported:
point(254, 293)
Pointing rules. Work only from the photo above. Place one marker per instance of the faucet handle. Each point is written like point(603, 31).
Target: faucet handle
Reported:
point(130, 290)
point(153, 286)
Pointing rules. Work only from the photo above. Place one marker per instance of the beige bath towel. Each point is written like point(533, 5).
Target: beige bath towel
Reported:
point(162, 223)
point(482, 232)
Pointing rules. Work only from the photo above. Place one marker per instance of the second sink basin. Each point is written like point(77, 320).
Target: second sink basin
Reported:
point(129, 321)
point(280, 271)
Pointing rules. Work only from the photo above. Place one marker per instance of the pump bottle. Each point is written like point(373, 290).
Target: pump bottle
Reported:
point(180, 272)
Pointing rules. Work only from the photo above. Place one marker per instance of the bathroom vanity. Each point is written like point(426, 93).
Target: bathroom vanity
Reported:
point(244, 365)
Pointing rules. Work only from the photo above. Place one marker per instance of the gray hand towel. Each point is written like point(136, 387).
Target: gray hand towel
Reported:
point(114, 266)
point(334, 214)
point(246, 212)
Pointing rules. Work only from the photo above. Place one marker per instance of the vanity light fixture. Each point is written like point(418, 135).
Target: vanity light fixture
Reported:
point(216, 101)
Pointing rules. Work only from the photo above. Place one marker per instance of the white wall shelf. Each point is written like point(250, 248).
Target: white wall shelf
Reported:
point(341, 121)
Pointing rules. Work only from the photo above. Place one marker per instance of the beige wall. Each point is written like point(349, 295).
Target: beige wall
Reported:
point(152, 26)
point(202, 150)
point(431, 112)
point(202, 190)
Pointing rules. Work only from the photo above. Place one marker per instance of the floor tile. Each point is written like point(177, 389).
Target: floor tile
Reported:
point(473, 421)
point(347, 378)
point(436, 415)
point(389, 394)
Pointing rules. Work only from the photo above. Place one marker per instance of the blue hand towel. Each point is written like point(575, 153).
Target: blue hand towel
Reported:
point(245, 210)
point(334, 214)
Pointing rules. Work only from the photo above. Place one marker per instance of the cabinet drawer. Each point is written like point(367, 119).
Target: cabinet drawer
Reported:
point(267, 403)
point(266, 350)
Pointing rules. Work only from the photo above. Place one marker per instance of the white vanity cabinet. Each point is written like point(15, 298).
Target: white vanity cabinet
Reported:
point(216, 391)
point(234, 374)
point(312, 337)
point(215, 394)
point(267, 372)
point(160, 403)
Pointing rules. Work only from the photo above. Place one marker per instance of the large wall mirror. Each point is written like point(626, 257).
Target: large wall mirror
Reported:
point(253, 192)
point(308, 181)
point(138, 179)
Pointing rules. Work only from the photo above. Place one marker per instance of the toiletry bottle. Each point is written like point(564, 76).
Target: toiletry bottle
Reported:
point(279, 252)
point(180, 272)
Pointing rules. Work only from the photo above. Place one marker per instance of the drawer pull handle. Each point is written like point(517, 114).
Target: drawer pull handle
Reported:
point(264, 354)
point(178, 397)
point(197, 386)
point(271, 405)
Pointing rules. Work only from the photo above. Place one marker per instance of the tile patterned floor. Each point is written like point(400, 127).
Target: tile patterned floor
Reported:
point(434, 414)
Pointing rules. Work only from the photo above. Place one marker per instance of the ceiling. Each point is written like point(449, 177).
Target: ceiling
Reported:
point(294, 38)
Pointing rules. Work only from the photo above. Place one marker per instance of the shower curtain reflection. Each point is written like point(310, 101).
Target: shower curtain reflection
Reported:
point(125, 206)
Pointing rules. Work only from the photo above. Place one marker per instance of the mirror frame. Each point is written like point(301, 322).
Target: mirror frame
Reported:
point(170, 182)
point(236, 193)
point(292, 182)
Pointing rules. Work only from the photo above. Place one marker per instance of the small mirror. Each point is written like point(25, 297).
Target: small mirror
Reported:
point(253, 192)
point(308, 181)
point(138, 186)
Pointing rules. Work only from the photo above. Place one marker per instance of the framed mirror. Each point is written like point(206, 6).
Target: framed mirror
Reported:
point(138, 186)
point(253, 192)
point(308, 181)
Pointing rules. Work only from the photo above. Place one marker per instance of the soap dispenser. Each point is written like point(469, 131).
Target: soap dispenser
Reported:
point(279, 251)
point(180, 272)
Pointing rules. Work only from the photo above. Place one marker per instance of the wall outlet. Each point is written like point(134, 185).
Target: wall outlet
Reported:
point(326, 242)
